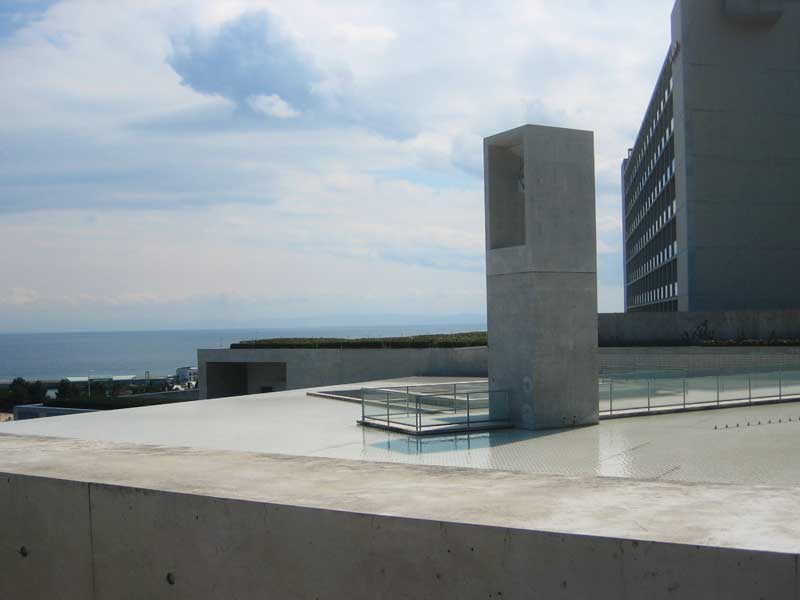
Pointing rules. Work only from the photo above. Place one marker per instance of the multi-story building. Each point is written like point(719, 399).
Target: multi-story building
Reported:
point(711, 188)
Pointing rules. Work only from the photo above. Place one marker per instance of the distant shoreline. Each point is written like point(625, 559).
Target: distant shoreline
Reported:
point(53, 356)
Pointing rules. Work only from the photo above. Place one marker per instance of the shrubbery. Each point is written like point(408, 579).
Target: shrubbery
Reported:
point(21, 391)
point(449, 340)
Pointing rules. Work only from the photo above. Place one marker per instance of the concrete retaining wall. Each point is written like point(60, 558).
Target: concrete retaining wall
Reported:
point(662, 329)
point(696, 360)
point(23, 412)
point(224, 372)
point(88, 541)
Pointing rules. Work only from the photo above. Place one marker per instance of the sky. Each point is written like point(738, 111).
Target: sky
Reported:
point(258, 163)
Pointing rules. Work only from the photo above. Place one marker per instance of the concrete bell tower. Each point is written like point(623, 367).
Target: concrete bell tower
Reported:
point(541, 268)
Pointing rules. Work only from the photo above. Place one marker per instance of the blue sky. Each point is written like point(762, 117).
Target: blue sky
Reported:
point(223, 163)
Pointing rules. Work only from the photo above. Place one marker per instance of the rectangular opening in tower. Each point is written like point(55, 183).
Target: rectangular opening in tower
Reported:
point(506, 197)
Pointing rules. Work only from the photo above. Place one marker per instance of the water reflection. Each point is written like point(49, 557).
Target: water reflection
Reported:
point(418, 445)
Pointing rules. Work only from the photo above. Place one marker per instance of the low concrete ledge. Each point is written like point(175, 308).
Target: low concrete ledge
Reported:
point(98, 520)
point(340, 396)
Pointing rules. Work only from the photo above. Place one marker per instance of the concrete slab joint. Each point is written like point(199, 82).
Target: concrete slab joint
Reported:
point(542, 275)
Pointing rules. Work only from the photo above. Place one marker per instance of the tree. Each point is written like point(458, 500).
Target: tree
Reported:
point(37, 392)
point(98, 391)
point(19, 392)
point(64, 389)
point(68, 391)
point(120, 389)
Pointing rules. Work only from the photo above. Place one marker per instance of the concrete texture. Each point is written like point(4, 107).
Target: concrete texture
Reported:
point(709, 186)
point(228, 377)
point(45, 538)
point(223, 372)
point(737, 147)
point(473, 362)
point(185, 523)
point(690, 447)
point(541, 274)
point(696, 361)
point(662, 329)
point(757, 12)
point(39, 411)
point(266, 377)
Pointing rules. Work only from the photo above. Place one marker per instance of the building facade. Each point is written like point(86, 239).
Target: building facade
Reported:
point(711, 187)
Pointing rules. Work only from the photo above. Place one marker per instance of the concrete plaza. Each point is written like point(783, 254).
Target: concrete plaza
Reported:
point(742, 445)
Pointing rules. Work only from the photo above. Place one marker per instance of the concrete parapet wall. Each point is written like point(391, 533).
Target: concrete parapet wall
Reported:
point(221, 548)
point(85, 540)
point(664, 329)
point(695, 360)
point(219, 375)
point(317, 368)
point(45, 538)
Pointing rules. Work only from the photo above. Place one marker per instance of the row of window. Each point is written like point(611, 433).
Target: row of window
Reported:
point(658, 272)
point(668, 306)
point(663, 144)
point(662, 248)
point(649, 199)
point(664, 292)
point(651, 232)
point(660, 104)
point(666, 169)
point(661, 185)
point(654, 122)
point(661, 257)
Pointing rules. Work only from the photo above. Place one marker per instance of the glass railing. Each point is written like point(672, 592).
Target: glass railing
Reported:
point(655, 391)
point(461, 406)
point(471, 405)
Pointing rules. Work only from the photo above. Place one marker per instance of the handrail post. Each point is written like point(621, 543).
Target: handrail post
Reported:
point(684, 391)
point(387, 409)
point(648, 395)
point(362, 404)
point(454, 398)
point(419, 416)
point(611, 397)
point(468, 426)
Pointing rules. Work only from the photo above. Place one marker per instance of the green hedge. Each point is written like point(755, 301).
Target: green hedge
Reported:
point(450, 340)
point(453, 340)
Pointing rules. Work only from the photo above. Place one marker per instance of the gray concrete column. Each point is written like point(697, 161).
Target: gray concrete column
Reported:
point(541, 270)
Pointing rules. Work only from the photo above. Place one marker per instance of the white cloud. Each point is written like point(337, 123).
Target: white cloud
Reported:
point(370, 183)
point(19, 296)
point(375, 37)
point(272, 106)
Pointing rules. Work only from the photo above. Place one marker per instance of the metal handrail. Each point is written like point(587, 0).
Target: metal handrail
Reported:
point(456, 409)
point(718, 395)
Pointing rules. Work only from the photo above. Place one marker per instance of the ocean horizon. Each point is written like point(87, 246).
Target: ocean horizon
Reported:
point(52, 356)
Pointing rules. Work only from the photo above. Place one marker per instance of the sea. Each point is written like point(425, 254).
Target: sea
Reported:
point(52, 356)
